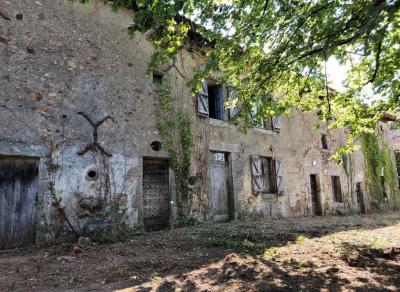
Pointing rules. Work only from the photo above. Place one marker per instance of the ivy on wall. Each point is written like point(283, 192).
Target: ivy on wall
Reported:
point(376, 159)
point(176, 134)
point(348, 165)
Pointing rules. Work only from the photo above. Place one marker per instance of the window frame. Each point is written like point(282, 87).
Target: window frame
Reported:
point(268, 175)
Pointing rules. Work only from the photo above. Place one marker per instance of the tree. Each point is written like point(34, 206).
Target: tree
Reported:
point(280, 48)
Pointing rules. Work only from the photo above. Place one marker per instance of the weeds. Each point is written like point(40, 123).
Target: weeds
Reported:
point(295, 264)
point(301, 239)
point(272, 252)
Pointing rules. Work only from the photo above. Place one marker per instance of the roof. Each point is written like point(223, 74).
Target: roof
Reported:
point(388, 118)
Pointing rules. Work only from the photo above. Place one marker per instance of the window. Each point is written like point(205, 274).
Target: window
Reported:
point(337, 191)
point(158, 78)
point(269, 123)
point(324, 142)
point(210, 100)
point(216, 102)
point(219, 156)
point(266, 175)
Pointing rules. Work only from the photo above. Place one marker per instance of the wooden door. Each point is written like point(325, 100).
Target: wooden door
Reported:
point(18, 190)
point(315, 197)
point(219, 186)
point(155, 194)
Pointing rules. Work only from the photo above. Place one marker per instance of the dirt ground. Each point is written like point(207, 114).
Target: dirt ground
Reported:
point(359, 253)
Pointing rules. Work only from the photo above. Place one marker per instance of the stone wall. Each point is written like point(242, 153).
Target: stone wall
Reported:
point(63, 66)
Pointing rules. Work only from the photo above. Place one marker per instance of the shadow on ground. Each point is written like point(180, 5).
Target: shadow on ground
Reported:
point(215, 257)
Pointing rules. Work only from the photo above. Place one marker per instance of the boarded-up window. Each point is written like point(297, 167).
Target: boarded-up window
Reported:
point(336, 189)
point(202, 100)
point(266, 175)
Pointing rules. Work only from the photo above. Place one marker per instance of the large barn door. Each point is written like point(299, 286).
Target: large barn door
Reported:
point(18, 189)
point(155, 194)
point(219, 186)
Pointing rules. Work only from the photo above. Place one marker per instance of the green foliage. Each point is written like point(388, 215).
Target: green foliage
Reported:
point(221, 241)
point(395, 126)
point(176, 133)
point(376, 159)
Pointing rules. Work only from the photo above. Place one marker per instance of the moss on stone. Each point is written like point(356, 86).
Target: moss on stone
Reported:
point(377, 159)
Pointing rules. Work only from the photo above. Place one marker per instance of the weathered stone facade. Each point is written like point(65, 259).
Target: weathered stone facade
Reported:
point(63, 65)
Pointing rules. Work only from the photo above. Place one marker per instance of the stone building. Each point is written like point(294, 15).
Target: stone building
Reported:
point(80, 147)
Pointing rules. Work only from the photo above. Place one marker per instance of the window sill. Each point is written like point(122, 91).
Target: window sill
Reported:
point(264, 131)
point(215, 122)
point(267, 195)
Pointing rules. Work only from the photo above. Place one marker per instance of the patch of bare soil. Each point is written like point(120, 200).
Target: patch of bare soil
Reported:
point(305, 254)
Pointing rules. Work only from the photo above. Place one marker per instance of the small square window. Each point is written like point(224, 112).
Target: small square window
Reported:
point(158, 78)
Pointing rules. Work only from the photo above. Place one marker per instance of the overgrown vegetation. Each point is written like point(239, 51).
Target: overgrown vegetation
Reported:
point(176, 134)
point(377, 159)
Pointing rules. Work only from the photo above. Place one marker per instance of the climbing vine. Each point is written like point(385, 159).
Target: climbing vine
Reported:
point(375, 160)
point(348, 165)
point(176, 133)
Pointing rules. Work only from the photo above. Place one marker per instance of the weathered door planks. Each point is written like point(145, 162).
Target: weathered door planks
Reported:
point(219, 186)
point(18, 190)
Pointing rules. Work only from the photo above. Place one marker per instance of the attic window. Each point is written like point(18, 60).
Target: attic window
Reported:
point(157, 78)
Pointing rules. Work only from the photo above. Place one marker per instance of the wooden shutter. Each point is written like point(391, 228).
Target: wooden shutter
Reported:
point(233, 111)
point(279, 176)
point(202, 99)
point(257, 174)
point(276, 123)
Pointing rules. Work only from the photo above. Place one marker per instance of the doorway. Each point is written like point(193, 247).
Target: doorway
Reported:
point(18, 191)
point(315, 195)
point(220, 200)
point(360, 197)
point(155, 194)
